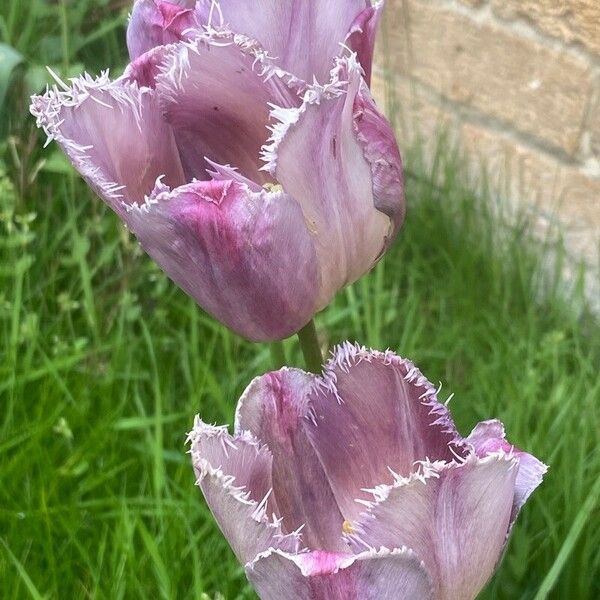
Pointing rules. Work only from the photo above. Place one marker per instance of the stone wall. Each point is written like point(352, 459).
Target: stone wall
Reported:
point(516, 84)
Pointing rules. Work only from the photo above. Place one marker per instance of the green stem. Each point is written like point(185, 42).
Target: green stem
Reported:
point(277, 354)
point(310, 347)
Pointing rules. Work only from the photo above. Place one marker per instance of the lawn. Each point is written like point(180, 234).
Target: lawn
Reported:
point(104, 362)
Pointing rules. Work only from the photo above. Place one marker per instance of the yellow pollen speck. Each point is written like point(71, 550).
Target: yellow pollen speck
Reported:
point(347, 527)
point(273, 187)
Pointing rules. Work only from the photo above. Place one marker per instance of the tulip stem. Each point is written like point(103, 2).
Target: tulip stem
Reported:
point(310, 347)
point(277, 354)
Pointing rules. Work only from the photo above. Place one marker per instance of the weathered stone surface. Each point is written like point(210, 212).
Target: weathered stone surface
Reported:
point(523, 111)
point(559, 193)
point(538, 91)
point(575, 21)
point(594, 125)
point(419, 118)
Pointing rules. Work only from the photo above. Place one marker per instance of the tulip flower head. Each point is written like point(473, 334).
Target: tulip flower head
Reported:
point(243, 149)
point(356, 484)
point(304, 37)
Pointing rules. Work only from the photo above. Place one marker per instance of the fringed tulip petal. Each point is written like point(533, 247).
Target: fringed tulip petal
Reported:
point(234, 475)
point(158, 22)
point(320, 154)
point(375, 575)
point(274, 409)
point(376, 415)
point(218, 104)
point(241, 457)
point(454, 517)
point(489, 437)
point(380, 149)
point(361, 36)
point(246, 257)
point(114, 135)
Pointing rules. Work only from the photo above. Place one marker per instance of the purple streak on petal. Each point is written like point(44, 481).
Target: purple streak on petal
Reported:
point(114, 135)
point(488, 437)
point(157, 23)
point(374, 412)
point(361, 37)
point(374, 575)
point(245, 257)
point(376, 136)
point(454, 517)
point(218, 104)
point(304, 37)
point(234, 476)
point(314, 153)
point(274, 409)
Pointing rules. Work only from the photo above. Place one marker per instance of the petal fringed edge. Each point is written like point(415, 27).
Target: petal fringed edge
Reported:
point(113, 134)
point(366, 395)
point(146, 68)
point(234, 476)
point(303, 37)
point(373, 575)
point(454, 517)
point(361, 36)
point(246, 257)
point(489, 437)
point(274, 408)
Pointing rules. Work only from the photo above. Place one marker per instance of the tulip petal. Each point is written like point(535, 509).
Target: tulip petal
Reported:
point(489, 437)
point(304, 37)
point(114, 135)
point(316, 154)
point(454, 517)
point(274, 409)
point(375, 415)
point(218, 104)
point(158, 22)
point(374, 575)
point(234, 476)
point(246, 257)
point(361, 36)
point(376, 136)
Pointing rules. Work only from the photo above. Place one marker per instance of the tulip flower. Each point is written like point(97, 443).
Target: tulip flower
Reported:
point(258, 202)
point(356, 484)
point(304, 37)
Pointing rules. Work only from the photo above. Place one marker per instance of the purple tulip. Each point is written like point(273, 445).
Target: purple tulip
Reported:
point(356, 484)
point(304, 37)
point(314, 194)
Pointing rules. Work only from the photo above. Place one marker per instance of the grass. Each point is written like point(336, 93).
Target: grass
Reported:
point(104, 363)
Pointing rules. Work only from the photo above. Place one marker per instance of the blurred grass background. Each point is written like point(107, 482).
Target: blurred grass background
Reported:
point(103, 362)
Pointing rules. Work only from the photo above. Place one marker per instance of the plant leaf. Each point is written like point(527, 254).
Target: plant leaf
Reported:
point(10, 59)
